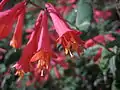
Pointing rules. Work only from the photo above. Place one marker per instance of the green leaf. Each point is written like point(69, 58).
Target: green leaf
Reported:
point(84, 15)
point(104, 62)
point(91, 51)
point(2, 68)
point(11, 56)
point(71, 17)
point(112, 63)
point(114, 86)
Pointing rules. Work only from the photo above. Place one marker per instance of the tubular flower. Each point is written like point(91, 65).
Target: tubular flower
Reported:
point(7, 19)
point(102, 14)
point(43, 54)
point(67, 37)
point(102, 39)
point(17, 36)
point(23, 65)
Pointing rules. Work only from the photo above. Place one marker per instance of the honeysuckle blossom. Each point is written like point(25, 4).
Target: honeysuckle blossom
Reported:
point(68, 37)
point(17, 36)
point(102, 39)
point(23, 65)
point(43, 54)
point(7, 19)
point(102, 14)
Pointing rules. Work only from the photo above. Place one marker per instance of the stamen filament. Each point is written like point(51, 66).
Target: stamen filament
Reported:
point(71, 55)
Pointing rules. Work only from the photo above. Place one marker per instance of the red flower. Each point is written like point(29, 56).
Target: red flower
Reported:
point(7, 19)
point(43, 54)
point(67, 37)
point(102, 39)
point(59, 58)
point(17, 36)
point(101, 15)
point(23, 65)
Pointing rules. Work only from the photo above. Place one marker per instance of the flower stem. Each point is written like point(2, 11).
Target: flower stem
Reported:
point(32, 3)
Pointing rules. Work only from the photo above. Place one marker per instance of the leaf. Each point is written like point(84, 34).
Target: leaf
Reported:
point(112, 63)
point(104, 62)
point(71, 16)
point(116, 41)
point(91, 51)
point(2, 68)
point(111, 44)
point(11, 56)
point(114, 86)
point(84, 15)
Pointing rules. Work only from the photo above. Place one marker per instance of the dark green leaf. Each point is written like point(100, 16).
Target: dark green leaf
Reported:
point(12, 56)
point(104, 62)
point(84, 15)
point(71, 16)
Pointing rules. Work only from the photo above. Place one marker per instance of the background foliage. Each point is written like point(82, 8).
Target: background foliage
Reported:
point(84, 73)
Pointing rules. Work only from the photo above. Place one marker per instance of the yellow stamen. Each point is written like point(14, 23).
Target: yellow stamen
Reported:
point(42, 59)
point(13, 43)
point(66, 51)
point(39, 64)
point(20, 73)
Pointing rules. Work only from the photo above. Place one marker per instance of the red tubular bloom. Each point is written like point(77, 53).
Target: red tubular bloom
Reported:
point(102, 39)
point(17, 36)
point(23, 65)
point(43, 54)
point(101, 14)
point(7, 19)
point(99, 39)
point(67, 37)
point(90, 42)
point(59, 58)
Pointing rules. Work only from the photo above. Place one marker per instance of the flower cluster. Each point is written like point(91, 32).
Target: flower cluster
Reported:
point(38, 55)
point(45, 46)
